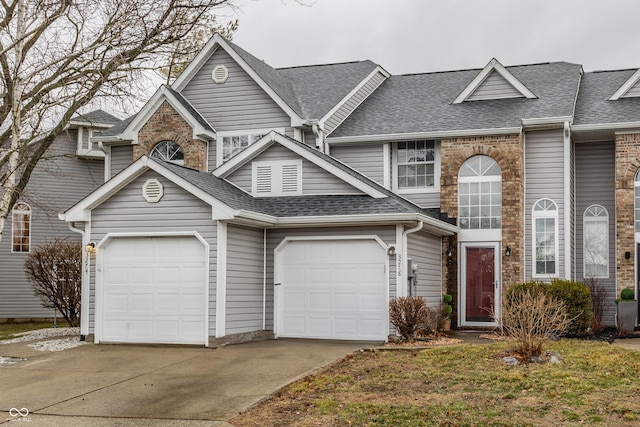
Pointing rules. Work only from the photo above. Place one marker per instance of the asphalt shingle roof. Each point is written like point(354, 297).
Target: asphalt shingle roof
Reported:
point(593, 105)
point(295, 205)
point(187, 105)
point(118, 128)
point(423, 102)
point(98, 116)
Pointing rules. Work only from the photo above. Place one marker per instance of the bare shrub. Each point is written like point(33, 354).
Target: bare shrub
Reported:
point(55, 272)
point(409, 315)
point(531, 319)
point(598, 300)
point(433, 321)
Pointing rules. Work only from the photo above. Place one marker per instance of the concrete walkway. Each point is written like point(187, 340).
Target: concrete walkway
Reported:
point(131, 385)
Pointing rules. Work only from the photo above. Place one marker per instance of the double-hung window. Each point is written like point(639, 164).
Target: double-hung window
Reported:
point(545, 238)
point(596, 242)
point(416, 165)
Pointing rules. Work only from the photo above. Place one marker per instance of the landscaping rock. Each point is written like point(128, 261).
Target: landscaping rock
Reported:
point(511, 361)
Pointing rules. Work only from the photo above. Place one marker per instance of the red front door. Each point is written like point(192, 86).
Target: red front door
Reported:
point(480, 284)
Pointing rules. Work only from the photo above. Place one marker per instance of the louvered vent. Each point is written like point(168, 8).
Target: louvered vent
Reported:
point(290, 178)
point(220, 74)
point(263, 179)
point(152, 190)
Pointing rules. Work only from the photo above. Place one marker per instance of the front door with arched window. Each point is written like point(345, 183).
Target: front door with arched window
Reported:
point(480, 221)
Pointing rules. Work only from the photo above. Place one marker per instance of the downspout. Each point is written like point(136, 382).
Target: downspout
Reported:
point(84, 296)
point(107, 161)
point(567, 201)
point(264, 279)
point(404, 276)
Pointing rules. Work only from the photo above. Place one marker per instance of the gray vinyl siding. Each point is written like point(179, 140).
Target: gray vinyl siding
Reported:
point(237, 104)
point(424, 200)
point(121, 157)
point(352, 103)
point(595, 185)
point(245, 273)
point(309, 138)
point(425, 250)
point(315, 180)
point(275, 237)
point(544, 171)
point(59, 181)
point(177, 211)
point(368, 159)
point(494, 87)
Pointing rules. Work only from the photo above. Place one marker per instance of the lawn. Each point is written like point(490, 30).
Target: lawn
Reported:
point(8, 330)
point(463, 385)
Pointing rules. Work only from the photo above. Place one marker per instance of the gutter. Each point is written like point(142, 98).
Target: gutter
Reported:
point(424, 135)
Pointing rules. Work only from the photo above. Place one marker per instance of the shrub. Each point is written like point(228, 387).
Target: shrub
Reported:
point(575, 295)
point(409, 315)
point(598, 300)
point(627, 294)
point(531, 318)
point(55, 272)
point(577, 300)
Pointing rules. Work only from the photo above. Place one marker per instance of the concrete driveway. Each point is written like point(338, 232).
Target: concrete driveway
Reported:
point(127, 385)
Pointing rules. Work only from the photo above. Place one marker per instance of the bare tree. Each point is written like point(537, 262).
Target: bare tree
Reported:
point(55, 272)
point(56, 56)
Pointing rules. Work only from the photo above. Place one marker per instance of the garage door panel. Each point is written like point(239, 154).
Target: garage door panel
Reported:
point(325, 293)
point(154, 290)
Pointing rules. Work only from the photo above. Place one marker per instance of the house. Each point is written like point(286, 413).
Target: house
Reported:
point(72, 167)
point(246, 202)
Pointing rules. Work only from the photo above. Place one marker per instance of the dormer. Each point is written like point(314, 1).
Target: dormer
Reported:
point(88, 126)
point(494, 82)
point(630, 88)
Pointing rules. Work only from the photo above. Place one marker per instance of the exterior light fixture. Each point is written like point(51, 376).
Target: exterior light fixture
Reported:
point(450, 252)
point(507, 251)
point(91, 248)
point(627, 255)
point(391, 250)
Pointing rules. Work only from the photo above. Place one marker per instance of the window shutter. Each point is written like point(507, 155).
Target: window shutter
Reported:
point(290, 178)
point(263, 179)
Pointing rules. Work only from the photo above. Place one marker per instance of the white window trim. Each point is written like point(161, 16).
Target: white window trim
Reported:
point(436, 170)
point(222, 134)
point(276, 164)
point(13, 230)
point(539, 215)
point(590, 218)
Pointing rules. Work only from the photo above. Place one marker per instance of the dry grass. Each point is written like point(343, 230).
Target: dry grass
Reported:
point(464, 385)
point(8, 330)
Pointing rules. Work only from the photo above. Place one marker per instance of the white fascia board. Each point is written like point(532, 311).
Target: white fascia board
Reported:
point(630, 126)
point(547, 120)
point(423, 135)
point(273, 137)
point(622, 91)
point(377, 70)
point(81, 211)
point(255, 218)
point(196, 63)
point(494, 64)
point(149, 109)
point(435, 226)
point(89, 124)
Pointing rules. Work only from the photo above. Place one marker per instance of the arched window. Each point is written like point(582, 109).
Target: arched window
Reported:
point(545, 238)
point(168, 151)
point(21, 228)
point(480, 194)
point(596, 242)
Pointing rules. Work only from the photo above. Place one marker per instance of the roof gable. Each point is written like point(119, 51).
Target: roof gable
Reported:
point(327, 163)
point(629, 89)
point(277, 86)
point(494, 82)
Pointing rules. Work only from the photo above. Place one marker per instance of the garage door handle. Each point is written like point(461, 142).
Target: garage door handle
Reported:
point(277, 284)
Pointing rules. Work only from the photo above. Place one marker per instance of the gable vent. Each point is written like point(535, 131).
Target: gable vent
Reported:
point(263, 179)
point(152, 190)
point(290, 178)
point(220, 74)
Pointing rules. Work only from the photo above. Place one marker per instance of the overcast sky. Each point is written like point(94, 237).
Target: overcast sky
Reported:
point(415, 36)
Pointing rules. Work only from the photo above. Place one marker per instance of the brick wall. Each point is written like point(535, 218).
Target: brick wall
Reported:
point(627, 164)
point(508, 152)
point(167, 124)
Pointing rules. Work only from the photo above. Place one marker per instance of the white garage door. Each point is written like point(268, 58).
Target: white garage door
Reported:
point(153, 291)
point(332, 289)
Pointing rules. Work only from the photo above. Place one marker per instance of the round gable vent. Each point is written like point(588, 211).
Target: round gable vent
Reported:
point(220, 74)
point(152, 190)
